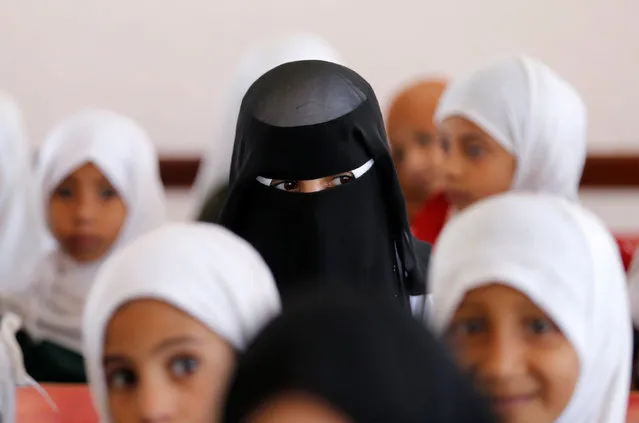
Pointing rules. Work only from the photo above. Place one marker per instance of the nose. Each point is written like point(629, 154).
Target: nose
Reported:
point(503, 358)
point(312, 185)
point(156, 402)
point(85, 208)
point(452, 166)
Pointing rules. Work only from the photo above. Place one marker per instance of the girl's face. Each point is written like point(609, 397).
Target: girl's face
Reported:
point(475, 165)
point(162, 365)
point(297, 408)
point(518, 356)
point(86, 214)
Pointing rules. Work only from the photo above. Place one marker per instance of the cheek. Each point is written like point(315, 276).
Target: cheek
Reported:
point(122, 407)
point(558, 372)
point(115, 214)
point(208, 388)
point(494, 175)
point(58, 216)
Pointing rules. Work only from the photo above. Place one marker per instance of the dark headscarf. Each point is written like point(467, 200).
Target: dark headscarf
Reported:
point(306, 120)
point(369, 360)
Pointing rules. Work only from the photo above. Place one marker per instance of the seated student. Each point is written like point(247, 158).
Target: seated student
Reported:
point(21, 234)
point(346, 360)
point(418, 156)
point(313, 187)
point(164, 319)
point(211, 185)
point(529, 291)
point(100, 188)
point(512, 125)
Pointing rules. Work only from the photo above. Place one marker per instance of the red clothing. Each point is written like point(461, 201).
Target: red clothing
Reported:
point(429, 222)
point(627, 247)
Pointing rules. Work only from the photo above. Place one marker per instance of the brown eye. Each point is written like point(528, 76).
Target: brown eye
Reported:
point(64, 192)
point(184, 366)
point(474, 151)
point(467, 327)
point(540, 326)
point(342, 180)
point(286, 185)
point(120, 379)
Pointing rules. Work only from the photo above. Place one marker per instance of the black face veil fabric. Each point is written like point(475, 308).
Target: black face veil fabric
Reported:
point(306, 120)
point(370, 361)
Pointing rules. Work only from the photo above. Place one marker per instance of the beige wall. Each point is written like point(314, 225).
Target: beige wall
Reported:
point(165, 62)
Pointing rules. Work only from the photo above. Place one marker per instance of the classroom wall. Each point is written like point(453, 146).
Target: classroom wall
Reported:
point(167, 63)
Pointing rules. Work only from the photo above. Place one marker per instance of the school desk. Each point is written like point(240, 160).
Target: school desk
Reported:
point(73, 401)
point(74, 404)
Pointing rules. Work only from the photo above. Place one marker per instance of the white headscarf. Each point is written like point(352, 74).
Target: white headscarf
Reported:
point(202, 269)
point(21, 234)
point(633, 288)
point(565, 260)
point(263, 57)
point(531, 112)
point(53, 305)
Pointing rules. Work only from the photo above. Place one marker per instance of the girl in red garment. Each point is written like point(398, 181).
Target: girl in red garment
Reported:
point(418, 156)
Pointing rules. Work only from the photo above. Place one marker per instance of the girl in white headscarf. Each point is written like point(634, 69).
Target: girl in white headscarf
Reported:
point(21, 235)
point(530, 292)
point(165, 318)
point(99, 188)
point(514, 124)
point(213, 175)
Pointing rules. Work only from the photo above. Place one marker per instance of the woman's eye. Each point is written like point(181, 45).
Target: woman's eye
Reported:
point(121, 379)
point(540, 326)
point(64, 192)
point(342, 180)
point(286, 185)
point(184, 366)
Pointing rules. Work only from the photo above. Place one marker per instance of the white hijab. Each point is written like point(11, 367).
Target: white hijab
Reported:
point(53, 304)
point(531, 112)
point(633, 288)
point(215, 168)
point(202, 269)
point(21, 234)
point(565, 260)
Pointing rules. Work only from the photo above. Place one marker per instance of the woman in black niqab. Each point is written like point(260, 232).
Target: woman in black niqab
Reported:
point(350, 361)
point(307, 120)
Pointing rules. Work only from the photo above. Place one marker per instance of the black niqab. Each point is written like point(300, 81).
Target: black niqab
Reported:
point(306, 120)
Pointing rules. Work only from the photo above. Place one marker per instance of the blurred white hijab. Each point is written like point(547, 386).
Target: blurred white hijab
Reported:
point(533, 113)
point(216, 164)
point(564, 259)
point(53, 303)
point(21, 234)
point(214, 276)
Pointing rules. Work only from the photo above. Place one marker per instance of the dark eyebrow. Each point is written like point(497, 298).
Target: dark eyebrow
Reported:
point(113, 360)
